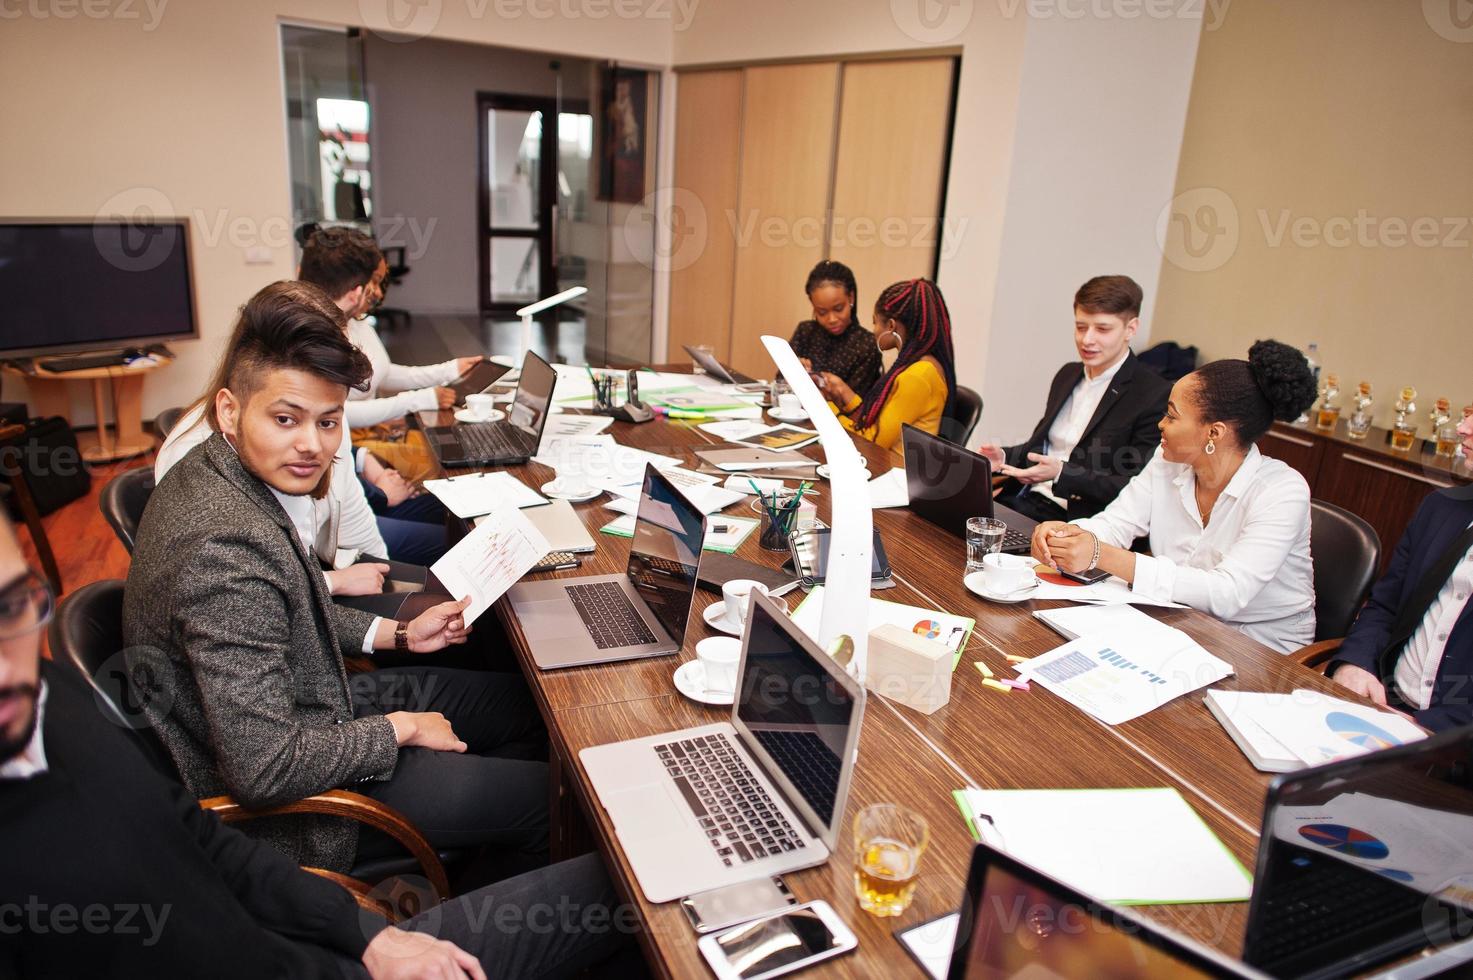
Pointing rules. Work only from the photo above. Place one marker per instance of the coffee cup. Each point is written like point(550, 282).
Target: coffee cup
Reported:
point(1002, 574)
point(719, 656)
point(737, 594)
point(481, 405)
point(789, 405)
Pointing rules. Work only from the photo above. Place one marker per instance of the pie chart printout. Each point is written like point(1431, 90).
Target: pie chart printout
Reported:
point(1345, 840)
point(1358, 731)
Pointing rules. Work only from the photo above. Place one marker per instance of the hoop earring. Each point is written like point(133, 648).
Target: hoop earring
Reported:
point(1210, 448)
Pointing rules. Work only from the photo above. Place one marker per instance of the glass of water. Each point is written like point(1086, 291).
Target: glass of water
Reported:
point(984, 537)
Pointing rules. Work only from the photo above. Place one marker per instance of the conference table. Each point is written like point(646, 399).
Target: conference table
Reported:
point(982, 738)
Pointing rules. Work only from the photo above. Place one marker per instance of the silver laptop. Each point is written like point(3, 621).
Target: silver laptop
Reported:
point(762, 795)
point(594, 619)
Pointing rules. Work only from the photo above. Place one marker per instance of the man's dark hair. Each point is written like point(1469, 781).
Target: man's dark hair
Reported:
point(1113, 295)
point(287, 326)
point(339, 259)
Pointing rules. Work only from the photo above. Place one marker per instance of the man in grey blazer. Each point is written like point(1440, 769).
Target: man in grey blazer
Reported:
point(228, 610)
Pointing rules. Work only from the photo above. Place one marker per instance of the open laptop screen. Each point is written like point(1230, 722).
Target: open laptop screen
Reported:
point(666, 552)
point(1366, 860)
point(946, 483)
point(1018, 922)
point(534, 393)
point(798, 713)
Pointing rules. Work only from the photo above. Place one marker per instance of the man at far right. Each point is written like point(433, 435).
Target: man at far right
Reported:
point(1411, 647)
point(1099, 426)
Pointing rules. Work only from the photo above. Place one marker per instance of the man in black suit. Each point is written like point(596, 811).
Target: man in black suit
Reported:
point(112, 870)
point(1411, 647)
point(1099, 427)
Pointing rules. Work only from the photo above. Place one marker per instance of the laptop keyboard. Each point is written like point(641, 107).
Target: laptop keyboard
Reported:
point(1016, 541)
point(611, 618)
point(490, 441)
point(739, 819)
point(808, 763)
point(1298, 920)
point(669, 567)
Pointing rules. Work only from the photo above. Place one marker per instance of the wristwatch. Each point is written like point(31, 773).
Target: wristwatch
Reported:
point(401, 636)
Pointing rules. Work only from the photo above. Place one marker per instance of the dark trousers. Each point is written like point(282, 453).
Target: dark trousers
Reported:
point(426, 508)
point(552, 922)
point(1034, 505)
point(493, 793)
point(413, 542)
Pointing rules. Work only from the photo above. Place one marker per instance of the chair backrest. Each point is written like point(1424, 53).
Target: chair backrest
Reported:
point(123, 500)
point(87, 632)
point(1347, 553)
point(966, 409)
point(164, 422)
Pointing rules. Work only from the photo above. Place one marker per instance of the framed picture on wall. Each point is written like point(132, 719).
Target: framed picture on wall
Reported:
point(623, 117)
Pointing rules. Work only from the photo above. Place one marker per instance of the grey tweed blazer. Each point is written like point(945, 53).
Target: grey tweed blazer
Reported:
point(231, 616)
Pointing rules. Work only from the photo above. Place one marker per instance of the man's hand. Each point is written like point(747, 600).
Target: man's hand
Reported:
point(1045, 469)
point(399, 954)
point(445, 398)
point(363, 579)
point(1362, 682)
point(439, 627)
point(1042, 536)
point(464, 364)
point(393, 484)
point(425, 730)
point(994, 455)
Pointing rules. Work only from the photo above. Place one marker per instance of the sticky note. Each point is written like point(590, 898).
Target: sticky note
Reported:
point(1016, 685)
point(1014, 658)
point(986, 671)
point(996, 685)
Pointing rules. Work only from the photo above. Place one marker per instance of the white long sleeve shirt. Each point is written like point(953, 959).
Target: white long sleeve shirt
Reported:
point(356, 527)
point(415, 386)
point(1250, 566)
point(1073, 418)
point(1421, 658)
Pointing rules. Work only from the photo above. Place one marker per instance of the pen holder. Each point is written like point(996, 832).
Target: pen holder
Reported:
point(607, 394)
point(778, 521)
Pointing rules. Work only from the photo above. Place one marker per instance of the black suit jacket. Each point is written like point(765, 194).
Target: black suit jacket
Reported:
point(110, 869)
point(1443, 516)
point(1117, 443)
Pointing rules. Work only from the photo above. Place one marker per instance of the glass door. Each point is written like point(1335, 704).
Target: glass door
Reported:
point(517, 201)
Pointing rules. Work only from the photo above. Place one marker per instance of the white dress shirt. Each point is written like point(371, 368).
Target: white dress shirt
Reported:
point(356, 527)
point(415, 385)
point(303, 514)
point(1250, 566)
point(1073, 419)
point(32, 760)
point(1416, 670)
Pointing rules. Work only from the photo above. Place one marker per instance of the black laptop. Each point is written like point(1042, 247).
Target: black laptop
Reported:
point(1367, 860)
point(1018, 922)
point(507, 441)
point(948, 484)
point(482, 375)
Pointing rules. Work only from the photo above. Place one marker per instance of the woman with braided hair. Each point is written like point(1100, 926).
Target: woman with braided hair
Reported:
point(910, 317)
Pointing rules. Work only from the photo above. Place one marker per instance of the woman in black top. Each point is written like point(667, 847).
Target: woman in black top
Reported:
point(833, 340)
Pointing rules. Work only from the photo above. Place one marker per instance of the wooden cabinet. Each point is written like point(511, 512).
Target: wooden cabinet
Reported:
point(1365, 476)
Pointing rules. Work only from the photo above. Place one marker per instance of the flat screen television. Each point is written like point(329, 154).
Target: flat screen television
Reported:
point(94, 285)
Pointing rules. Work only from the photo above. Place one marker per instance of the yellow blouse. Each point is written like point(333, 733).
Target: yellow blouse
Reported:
point(918, 398)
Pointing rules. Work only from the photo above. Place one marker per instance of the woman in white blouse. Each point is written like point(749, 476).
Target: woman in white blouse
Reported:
point(1229, 527)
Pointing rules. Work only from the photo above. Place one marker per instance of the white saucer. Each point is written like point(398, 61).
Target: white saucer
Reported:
point(715, 615)
point(973, 582)
point(823, 472)
point(466, 415)
point(690, 680)
point(781, 416)
point(553, 489)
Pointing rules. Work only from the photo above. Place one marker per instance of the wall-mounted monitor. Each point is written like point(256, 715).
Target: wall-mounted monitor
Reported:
point(94, 285)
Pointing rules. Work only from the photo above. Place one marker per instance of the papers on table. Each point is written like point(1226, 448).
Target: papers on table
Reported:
point(1284, 732)
point(779, 437)
point(734, 430)
point(561, 426)
point(501, 548)
point(1125, 846)
point(480, 493)
point(723, 534)
point(1112, 591)
point(1117, 675)
point(599, 460)
point(943, 627)
point(745, 484)
point(889, 489)
point(1072, 622)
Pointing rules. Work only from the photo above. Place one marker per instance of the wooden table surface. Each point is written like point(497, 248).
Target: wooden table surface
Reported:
point(981, 738)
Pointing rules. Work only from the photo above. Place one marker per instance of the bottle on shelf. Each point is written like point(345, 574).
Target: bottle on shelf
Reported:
point(1329, 410)
point(1444, 429)
point(1404, 430)
point(1359, 423)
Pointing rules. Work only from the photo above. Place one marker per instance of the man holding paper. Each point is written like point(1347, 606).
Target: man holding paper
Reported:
point(228, 612)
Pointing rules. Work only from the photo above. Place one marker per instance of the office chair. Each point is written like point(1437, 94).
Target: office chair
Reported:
point(966, 409)
point(164, 422)
point(123, 500)
point(87, 632)
point(1347, 554)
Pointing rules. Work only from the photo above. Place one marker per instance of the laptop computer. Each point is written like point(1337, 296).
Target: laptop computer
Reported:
point(482, 375)
point(506, 442)
point(594, 619)
point(760, 795)
point(715, 368)
point(948, 484)
point(1367, 860)
point(1020, 922)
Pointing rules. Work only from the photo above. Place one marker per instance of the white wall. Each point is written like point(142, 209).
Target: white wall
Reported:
point(1100, 121)
point(179, 106)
